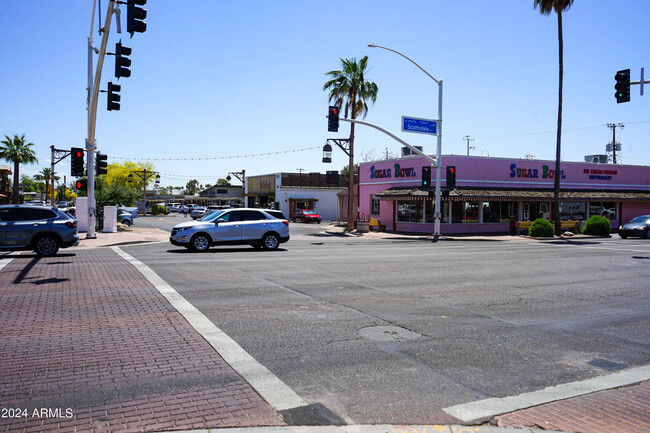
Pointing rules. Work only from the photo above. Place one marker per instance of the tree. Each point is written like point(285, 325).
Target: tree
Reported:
point(27, 183)
point(118, 174)
point(45, 176)
point(115, 194)
point(17, 150)
point(191, 187)
point(545, 8)
point(349, 89)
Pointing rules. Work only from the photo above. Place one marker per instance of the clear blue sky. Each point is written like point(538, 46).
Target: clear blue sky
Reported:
point(213, 79)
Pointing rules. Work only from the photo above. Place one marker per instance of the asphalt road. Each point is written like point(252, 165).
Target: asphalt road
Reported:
point(393, 330)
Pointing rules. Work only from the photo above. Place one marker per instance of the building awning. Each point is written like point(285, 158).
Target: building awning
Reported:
point(542, 195)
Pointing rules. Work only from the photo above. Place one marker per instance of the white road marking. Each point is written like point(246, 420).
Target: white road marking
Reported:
point(270, 387)
point(496, 406)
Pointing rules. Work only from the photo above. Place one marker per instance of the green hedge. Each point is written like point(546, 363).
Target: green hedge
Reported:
point(541, 228)
point(597, 226)
point(159, 210)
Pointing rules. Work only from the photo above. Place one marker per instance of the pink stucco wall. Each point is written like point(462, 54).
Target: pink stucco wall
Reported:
point(512, 173)
point(376, 177)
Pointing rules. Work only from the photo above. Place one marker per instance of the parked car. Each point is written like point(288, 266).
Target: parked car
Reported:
point(639, 226)
point(306, 216)
point(64, 204)
point(253, 227)
point(125, 218)
point(43, 229)
point(132, 210)
point(198, 212)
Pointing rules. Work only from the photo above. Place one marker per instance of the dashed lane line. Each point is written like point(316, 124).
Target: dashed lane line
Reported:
point(276, 393)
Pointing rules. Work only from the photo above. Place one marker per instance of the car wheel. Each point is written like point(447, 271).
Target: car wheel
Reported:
point(623, 235)
point(200, 242)
point(645, 234)
point(126, 223)
point(46, 246)
point(270, 241)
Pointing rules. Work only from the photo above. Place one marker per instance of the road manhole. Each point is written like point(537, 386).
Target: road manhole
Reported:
point(388, 333)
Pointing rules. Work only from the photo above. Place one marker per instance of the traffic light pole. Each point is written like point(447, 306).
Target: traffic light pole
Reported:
point(57, 156)
point(93, 92)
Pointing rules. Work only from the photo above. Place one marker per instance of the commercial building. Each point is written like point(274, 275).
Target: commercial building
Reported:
point(489, 191)
point(291, 191)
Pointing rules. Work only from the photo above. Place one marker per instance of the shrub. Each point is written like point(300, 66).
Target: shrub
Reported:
point(541, 229)
point(159, 210)
point(597, 226)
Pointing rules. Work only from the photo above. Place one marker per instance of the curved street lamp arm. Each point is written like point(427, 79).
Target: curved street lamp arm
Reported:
point(397, 52)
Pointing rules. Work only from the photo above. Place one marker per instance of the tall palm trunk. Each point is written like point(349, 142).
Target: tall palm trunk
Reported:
point(351, 210)
point(558, 172)
point(15, 194)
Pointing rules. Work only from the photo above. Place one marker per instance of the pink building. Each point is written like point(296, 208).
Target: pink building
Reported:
point(490, 190)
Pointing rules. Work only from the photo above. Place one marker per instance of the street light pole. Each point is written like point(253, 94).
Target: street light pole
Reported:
point(437, 213)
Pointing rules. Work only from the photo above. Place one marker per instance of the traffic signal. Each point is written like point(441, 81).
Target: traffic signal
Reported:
point(333, 119)
point(622, 86)
point(113, 100)
point(81, 184)
point(451, 176)
point(426, 176)
point(101, 164)
point(135, 16)
point(76, 162)
point(122, 61)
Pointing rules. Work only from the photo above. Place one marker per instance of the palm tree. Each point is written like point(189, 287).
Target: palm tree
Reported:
point(45, 176)
point(545, 8)
point(16, 150)
point(349, 89)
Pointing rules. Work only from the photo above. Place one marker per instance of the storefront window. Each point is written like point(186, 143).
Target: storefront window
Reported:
point(464, 212)
point(409, 211)
point(498, 211)
point(573, 210)
point(430, 208)
point(374, 205)
point(604, 209)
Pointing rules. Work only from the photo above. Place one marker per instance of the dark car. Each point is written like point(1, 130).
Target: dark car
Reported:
point(639, 226)
point(306, 216)
point(43, 229)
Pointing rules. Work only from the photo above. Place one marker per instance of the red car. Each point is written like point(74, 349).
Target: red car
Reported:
point(306, 216)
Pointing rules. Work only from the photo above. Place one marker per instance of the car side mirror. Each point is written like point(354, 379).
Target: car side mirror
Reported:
point(220, 220)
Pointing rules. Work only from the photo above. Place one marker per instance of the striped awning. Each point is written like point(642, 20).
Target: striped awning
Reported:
point(541, 195)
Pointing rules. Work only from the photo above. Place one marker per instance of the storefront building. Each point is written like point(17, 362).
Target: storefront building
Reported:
point(489, 191)
point(289, 192)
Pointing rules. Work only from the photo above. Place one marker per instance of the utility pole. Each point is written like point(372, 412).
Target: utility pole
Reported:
point(468, 146)
point(613, 126)
point(145, 175)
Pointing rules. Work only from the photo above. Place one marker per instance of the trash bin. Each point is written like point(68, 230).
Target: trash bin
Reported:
point(363, 226)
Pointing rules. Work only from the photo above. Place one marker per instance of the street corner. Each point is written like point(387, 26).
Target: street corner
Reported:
point(115, 355)
point(132, 235)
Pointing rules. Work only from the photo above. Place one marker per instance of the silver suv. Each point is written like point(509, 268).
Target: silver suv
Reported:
point(43, 229)
point(253, 227)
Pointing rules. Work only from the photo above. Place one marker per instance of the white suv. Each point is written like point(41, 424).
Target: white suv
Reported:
point(253, 227)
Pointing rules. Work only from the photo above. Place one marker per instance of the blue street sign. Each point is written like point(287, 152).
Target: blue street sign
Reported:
point(421, 126)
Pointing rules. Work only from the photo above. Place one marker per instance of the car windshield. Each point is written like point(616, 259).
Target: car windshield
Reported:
point(213, 216)
point(309, 212)
point(641, 219)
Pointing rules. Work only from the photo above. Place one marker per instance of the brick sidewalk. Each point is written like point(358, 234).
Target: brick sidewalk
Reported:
point(88, 344)
point(623, 410)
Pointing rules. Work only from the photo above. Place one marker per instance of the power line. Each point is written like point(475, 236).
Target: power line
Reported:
point(218, 157)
